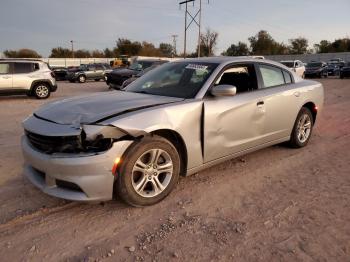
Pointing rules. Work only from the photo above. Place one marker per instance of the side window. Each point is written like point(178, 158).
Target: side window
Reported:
point(287, 77)
point(243, 77)
point(22, 68)
point(4, 68)
point(271, 76)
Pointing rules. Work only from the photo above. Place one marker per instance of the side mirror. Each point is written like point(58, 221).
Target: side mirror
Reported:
point(223, 90)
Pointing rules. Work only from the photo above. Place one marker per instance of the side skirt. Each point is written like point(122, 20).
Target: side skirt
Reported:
point(238, 154)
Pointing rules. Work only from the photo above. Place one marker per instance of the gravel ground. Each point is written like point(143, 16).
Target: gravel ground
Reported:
point(277, 204)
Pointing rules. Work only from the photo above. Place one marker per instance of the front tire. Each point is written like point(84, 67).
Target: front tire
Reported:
point(82, 79)
point(302, 129)
point(41, 91)
point(149, 172)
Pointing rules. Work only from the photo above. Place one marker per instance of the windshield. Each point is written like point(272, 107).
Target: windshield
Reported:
point(314, 65)
point(140, 65)
point(179, 79)
point(288, 64)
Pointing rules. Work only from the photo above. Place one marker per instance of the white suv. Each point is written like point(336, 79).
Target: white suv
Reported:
point(296, 65)
point(31, 77)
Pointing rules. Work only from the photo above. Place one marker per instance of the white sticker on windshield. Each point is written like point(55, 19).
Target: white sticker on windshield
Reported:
point(196, 67)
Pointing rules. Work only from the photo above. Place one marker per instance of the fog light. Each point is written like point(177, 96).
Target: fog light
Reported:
point(115, 166)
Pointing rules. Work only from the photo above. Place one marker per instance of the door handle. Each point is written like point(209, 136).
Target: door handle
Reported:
point(260, 103)
point(6, 77)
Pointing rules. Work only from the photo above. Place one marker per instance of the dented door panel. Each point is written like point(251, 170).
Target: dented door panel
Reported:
point(232, 124)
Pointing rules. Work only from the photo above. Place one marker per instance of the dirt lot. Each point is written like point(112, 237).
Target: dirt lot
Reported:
point(278, 204)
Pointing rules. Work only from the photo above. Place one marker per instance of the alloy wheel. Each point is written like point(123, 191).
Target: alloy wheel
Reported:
point(42, 91)
point(152, 173)
point(304, 128)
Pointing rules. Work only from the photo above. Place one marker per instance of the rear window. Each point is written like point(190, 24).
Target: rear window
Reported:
point(272, 76)
point(21, 68)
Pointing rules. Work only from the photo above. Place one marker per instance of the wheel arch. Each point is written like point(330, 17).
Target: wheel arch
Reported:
point(177, 141)
point(40, 81)
point(312, 107)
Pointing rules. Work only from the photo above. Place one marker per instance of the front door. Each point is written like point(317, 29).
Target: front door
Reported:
point(5, 76)
point(233, 124)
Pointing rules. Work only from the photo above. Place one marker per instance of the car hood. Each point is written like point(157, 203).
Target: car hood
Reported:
point(98, 107)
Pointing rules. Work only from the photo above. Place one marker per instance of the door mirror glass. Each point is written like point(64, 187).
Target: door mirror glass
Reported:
point(224, 90)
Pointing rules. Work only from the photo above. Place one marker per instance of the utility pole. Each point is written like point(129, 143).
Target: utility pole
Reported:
point(174, 44)
point(71, 41)
point(193, 19)
point(199, 28)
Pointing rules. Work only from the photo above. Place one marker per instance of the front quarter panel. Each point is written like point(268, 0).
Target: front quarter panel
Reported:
point(182, 117)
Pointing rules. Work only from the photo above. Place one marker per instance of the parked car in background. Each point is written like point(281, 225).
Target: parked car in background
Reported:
point(316, 69)
point(333, 69)
point(86, 72)
point(177, 119)
point(336, 60)
point(133, 78)
point(24, 76)
point(60, 73)
point(117, 77)
point(295, 65)
point(345, 70)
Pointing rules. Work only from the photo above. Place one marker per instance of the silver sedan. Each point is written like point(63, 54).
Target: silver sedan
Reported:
point(177, 119)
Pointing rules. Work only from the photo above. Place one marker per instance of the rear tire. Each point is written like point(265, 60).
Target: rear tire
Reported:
point(149, 172)
point(97, 79)
point(302, 129)
point(41, 91)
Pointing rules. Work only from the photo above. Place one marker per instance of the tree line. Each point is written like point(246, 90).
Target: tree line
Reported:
point(260, 44)
point(264, 44)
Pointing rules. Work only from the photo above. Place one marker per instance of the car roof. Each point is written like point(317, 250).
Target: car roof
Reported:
point(285, 61)
point(21, 60)
point(230, 59)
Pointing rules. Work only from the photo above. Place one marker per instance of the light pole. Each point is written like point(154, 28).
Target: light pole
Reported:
point(71, 41)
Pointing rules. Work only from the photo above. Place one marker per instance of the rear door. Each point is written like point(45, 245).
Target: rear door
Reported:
point(23, 74)
point(99, 71)
point(279, 98)
point(234, 123)
point(91, 73)
point(5, 76)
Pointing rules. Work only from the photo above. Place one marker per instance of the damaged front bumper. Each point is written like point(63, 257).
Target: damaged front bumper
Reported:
point(80, 177)
point(67, 173)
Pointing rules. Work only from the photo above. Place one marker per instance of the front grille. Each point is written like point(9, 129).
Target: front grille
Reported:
point(54, 144)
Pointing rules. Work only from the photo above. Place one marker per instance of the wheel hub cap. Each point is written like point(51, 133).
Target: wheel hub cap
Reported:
point(152, 173)
point(304, 128)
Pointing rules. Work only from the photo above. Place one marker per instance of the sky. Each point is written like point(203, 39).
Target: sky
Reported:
point(95, 24)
